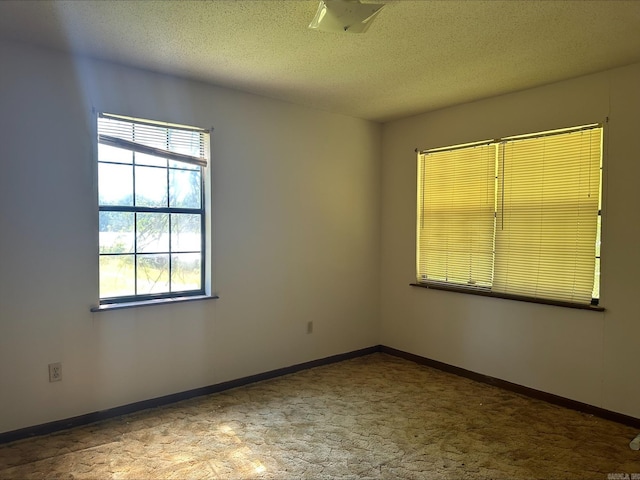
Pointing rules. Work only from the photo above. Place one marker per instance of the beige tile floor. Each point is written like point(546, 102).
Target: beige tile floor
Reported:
point(376, 416)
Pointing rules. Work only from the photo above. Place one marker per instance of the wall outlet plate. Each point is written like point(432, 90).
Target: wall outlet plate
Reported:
point(55, 372)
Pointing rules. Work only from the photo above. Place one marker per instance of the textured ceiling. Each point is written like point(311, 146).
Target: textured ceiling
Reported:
point(417, 55)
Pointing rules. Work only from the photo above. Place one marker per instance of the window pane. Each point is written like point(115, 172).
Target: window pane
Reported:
point(151, 187)
point(153, 274)
point(144, 159)
point(184, 188)
point(116, 276)
point(115, 184)
point(107, 153)
point(116, 232)
point(185, 233)
point(152, 232)
point(185, 272)
point(182, 165)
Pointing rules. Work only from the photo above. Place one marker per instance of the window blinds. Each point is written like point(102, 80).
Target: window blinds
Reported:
point(175, 142)
point(547, 213)
point(516, 216)
point(456, 216)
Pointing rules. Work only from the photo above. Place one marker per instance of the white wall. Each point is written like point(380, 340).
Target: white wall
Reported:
point(297, 198)
point(295, 216)
point(587, 356)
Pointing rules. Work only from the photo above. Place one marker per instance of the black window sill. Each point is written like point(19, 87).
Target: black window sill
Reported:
point(146, 303)
point(487, 293)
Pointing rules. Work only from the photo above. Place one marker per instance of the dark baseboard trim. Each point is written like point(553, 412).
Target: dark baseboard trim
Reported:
point(85, 419)
point(514, 387)
point(58, 425)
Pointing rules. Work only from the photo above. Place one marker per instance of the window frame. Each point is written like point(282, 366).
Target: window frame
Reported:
point(126, 301)
point(595, 304)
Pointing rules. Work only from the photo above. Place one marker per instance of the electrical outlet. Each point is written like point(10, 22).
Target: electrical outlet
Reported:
point(309, 327)
point(55, 372)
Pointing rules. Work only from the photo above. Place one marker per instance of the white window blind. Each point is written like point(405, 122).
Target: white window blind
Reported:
point(178, 143)
point(516, 216)
point(456, 216)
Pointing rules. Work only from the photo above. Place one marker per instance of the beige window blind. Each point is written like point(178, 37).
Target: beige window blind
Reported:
point(517, 216)
point(456, 201)
point(547, 214)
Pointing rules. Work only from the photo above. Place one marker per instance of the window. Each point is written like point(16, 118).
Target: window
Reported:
point(151, 209)
point(519, 216)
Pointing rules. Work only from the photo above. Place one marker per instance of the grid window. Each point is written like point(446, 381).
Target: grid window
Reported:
point(151, 209)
